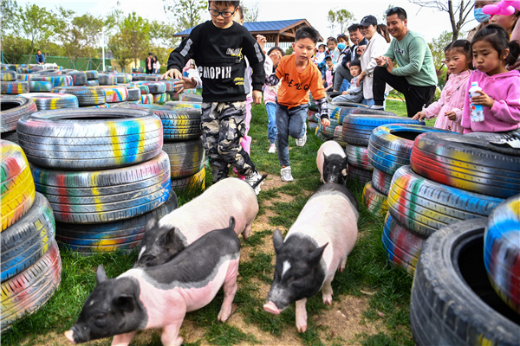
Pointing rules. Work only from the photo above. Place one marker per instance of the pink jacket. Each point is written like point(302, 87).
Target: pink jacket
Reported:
point(270, 93)
point(452, 99)
point(504, 88)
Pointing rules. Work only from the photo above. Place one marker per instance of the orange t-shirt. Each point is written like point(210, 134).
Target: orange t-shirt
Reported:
point(295, 87)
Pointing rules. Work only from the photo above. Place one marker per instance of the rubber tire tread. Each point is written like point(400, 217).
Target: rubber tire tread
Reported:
point(424, 206)
point(86, 96)
point(8, 76)
point(92, 75)
point(358, 175)
point(190, 97)
point(374, 200)
point(37, 86)
point(381, 181)
point(134, 95)
point(192, 183)
point(13, 108)
point(79, 78)
point(107, 79)
point(14, 88)
point(47, 101)
point(186, 158)
point(358, 157)
point(444, 309)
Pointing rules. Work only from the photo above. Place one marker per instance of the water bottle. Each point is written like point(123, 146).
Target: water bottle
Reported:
point(477, 111)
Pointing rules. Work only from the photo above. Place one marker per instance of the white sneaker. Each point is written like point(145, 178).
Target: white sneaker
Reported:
point(272, 149)
point(285, 173)
point(382, 108)
point(300, 142)
point(253, 179)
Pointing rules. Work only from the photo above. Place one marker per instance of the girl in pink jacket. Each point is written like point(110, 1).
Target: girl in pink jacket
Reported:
point(501, 88)
point(448, 109)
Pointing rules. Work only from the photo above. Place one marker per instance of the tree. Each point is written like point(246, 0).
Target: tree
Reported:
point(9, 17)
point(119, 47)
point(251, 12)
point(187, 13)
point(135, 32)
point(161, 34)
point(458, 12)
point(13, 48)
point(342, 18)
point(437, 48)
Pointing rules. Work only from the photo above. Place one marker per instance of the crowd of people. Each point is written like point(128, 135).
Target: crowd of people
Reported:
point(360, 67)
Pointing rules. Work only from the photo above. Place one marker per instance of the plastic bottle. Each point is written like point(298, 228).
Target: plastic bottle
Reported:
point(477, 111)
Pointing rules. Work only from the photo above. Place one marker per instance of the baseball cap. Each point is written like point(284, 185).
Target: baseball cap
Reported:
point(368, 20)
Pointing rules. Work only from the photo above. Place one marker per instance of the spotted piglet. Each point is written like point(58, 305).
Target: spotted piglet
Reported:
point(332, 163)
point(160, 296)
point(316, 246)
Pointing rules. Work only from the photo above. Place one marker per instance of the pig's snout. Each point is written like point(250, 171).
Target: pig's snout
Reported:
point(271, 308)
point(69, 335)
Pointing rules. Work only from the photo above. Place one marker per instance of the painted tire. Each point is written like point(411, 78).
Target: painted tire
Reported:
point(452, 301)
point(402, 246)
point(133, 95)
point(170, 85)
point(35, 86)
point(93, 82)
point(14, 88)
point(75, 139)
point(86, 96)
point(107, 79)
point(390, 146)
point(31, 289)
point(339, 110)
point(358, 175)
point(143, 88)
point(186, 158)
point(17, 185)
point(159, 98)
point(338, 133)
point(152, 78)
point(312, 116)
point(10, 136)
point(425, 206)
point(154, 87)
point(115, 236)
point(108, 195)
point(13, 108)
point(463, 162)
point(313, 126)
point(123, 78)
point(28, 239)
point(502, 251)
point(381, 181)
point(147, 99)
point(358, 157)
point(115, 93)
point(193, 183)
point(190, 97)
point(358, 128)
point(374, 200)
point(92, 75)
point(79, 78)
point(104, 105)
point(56, 80)
point(45, 101)
point(8, 76)
point(492, 136)
point(329, 130)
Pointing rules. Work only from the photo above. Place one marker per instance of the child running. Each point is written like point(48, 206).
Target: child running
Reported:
point(500, 95)
point(448, 109)
point(218, 46)
point(299, 76)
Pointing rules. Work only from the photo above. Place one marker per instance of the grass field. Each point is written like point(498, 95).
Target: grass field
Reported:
point(381, 290)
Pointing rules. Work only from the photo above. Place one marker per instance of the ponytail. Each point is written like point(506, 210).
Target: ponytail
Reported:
point(514, 52)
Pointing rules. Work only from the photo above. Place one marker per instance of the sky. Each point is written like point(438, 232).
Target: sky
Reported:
point(429, 22)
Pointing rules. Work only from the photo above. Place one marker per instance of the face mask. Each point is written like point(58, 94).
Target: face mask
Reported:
point(341, 46)
point(480, 16)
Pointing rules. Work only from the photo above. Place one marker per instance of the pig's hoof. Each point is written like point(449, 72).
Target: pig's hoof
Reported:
point(302, 328)
point(224, 315)
point(178, 341)
point(68, 335)
point(327, 299)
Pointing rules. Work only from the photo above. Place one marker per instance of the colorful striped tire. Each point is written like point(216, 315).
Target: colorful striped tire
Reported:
point(45, 101)
point(31, 289)
point(93, 82)
point(190, 97)
point(74, 139)
point(28, 239)
point(105, 196)
point(123, 78)
point(8, 76)
point(16, 184)
point(107, 79)
point(402, 246)
point(452, 301)
point(79, 78)
point(374, 200)
point(171, 87)
point(115, 93)
point(138, 77)
point(381, 181)
point(358, 128)
point(339, 110)
point(492, 136)
point(425, 206)
point(358, 175)
point(13, 108)
point(313, 126)
point(115, 236)
point(390, 146)
point(463, 162)
point(35, 86)
point(143, 88)
point(104, 105)
point(133, 95)
point(502, 251)
point(183, 104)
point(57, 80)
point(193, 183)
point(153, 78)
point(358, 157)
point(328, 131)
point(147, 99)
point(14, 88)
point(159, 98)
point(92, 75)
point(186, 158)
point(153, 87)
point(86, 96)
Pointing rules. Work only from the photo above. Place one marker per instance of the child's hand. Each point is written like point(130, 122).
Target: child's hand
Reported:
point(345, 92)
point(173, 73)
point(451, 115)
point(257, 97)
point(325, 122)
point(483, 100)
point(261, 41)
point(184, 83)
point(419, 116)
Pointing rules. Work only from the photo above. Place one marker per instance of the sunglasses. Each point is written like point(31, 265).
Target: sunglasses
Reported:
point(395, 10)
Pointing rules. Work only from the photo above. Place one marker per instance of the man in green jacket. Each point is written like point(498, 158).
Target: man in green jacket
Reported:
point(414, 75)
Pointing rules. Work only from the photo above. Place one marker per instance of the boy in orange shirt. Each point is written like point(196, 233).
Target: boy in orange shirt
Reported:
point(298, 76)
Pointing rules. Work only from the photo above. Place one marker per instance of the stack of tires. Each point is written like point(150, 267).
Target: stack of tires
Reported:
point(92, 78)
point(103, 172)
point(157, 92)
point(465, 289)
point(13, 108)
point(450, 178)
point(31, 263)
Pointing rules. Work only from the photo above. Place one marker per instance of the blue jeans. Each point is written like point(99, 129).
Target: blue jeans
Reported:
point(368, 102)
point(345, 85)
point(271, 125)
point(289, 122)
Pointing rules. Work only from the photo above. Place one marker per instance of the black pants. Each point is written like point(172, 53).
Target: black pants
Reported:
point(416, 96)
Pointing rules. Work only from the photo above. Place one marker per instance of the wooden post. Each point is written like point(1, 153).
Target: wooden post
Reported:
point(277, 40)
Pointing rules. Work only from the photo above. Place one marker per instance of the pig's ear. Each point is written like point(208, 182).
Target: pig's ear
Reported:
point(124, 302)
point(277, 240)
point(315, 256)
point(151, 224)
point(232, 222)
point(345, 161)
point(100, 274)
point(325, 158)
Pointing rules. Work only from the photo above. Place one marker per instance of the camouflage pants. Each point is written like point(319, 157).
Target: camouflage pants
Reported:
point(222, 127)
